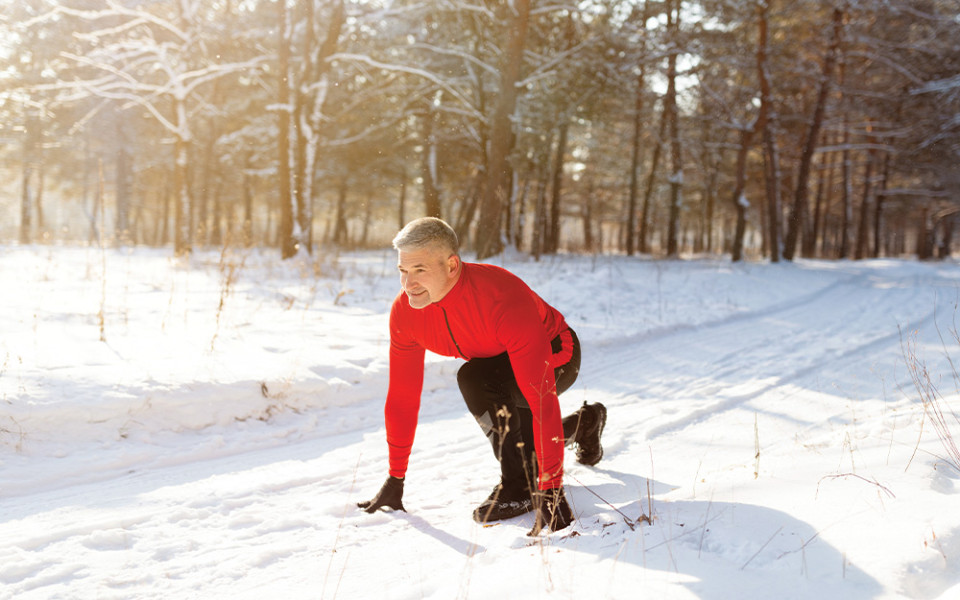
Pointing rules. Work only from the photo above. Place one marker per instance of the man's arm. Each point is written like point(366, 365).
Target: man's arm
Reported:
point(402, 407)
point(400, 413)
point(528, 346)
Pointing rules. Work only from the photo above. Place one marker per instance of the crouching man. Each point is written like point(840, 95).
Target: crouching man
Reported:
point(520, 355)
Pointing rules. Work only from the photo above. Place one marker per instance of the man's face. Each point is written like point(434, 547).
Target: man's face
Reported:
point(427, 274)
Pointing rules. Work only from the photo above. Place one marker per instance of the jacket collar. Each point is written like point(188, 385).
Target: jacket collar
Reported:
point(458, 289)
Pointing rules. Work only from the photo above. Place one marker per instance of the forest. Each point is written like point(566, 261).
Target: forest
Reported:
point(758, 129)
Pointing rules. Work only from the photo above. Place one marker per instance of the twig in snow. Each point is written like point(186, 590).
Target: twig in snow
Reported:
point(943, 417)
point(336, 539)
point(703, 532)
point(757, 553)
point(873, 481)
point(630, 522)
point(756, 444)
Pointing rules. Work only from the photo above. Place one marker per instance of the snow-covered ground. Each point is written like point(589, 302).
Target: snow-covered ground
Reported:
point(203, 428)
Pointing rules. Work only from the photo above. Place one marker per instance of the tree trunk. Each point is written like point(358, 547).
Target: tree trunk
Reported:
point(309, 95)
point(740, 203)
point(671, 113)
point(863, 229)
point(203, 229)
point(31, 145)
point(947, 225)
point(402, 201)
point(540, 215)
point(710, 201)
point(556, 189)
point(289, 242)
point(588, 202)
point(182, 238)
point(924, 234)
point(165, 195)
point(808, 245)
point(122, 183)
point(635, 165)
point(340, 233)
point(428, 166)
point(799, 210)
point(247, 207)
point(38, 197)
point(489, 242)
point(631, 232)
point(846, 193)
point(468, 208)
point(302, 138)
point(878, 205)
point(516, 225)
point(766, 125)
point(26, 212)
point(651, 181)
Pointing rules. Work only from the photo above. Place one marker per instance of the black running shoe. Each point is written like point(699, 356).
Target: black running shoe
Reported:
point(591, 419)
point(503, 503)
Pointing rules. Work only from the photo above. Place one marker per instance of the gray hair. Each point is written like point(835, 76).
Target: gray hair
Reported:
point(427, 231)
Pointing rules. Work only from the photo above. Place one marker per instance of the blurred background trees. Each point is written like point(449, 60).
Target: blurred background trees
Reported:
point(756, 128)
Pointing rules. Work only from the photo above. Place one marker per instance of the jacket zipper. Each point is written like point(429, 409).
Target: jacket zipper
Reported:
point(450, 331)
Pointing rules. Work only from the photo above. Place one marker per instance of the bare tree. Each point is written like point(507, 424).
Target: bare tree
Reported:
point(154, 60)
point(799, 208)
point(497, 185)
point(766, 123)
point(672, 117)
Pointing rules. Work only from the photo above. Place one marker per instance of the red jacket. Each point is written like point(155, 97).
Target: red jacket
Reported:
point(488, 311)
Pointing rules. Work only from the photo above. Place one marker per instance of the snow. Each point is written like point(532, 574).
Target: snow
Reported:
point(215, 443)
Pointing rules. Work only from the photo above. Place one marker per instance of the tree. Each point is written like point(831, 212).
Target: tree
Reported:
point(766, 123)
point(152, 59)
point(799, 208)
point(496, 188)
point(637, 133)
point(672, 117)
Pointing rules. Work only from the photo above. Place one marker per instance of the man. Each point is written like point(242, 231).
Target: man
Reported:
point(520, 355)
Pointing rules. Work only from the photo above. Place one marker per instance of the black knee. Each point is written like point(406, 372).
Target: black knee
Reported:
point(474, 388)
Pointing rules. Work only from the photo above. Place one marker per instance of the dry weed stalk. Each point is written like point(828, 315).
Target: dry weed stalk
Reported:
point(101, 315)
point(879, 486)
point(756, 445)
point(229, 274)
point(940, 413)
point(19, 434)
point(336, 539)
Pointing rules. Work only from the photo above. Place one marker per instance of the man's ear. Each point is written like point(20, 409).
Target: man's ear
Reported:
point(453, 264)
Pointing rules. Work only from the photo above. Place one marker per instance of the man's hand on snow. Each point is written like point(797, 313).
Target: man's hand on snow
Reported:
point(553, 512)
point(389, 496)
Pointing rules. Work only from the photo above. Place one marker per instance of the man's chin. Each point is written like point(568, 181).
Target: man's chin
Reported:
point(419, 302)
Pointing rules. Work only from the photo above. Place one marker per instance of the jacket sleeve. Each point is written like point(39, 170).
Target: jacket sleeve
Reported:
point(403, 395)
point(521, 330)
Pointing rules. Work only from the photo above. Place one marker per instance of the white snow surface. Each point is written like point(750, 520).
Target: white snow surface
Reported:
point(203, 428)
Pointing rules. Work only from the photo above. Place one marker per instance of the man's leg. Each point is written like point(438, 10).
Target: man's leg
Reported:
point(565, 375)
point(492, 395)
point(584, 427)
point(487, 385)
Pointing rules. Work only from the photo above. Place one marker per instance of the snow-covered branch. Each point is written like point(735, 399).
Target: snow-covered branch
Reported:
point(432, 77)
point(940, 86)
point(113, 10)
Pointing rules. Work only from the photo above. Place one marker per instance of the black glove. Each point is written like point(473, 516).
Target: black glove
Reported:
point(553, 512)
point(389, 496)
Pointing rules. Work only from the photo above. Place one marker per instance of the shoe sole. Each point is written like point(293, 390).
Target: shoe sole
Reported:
point(603, 423)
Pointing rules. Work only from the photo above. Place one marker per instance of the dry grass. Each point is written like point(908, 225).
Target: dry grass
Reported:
point(937, 409)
